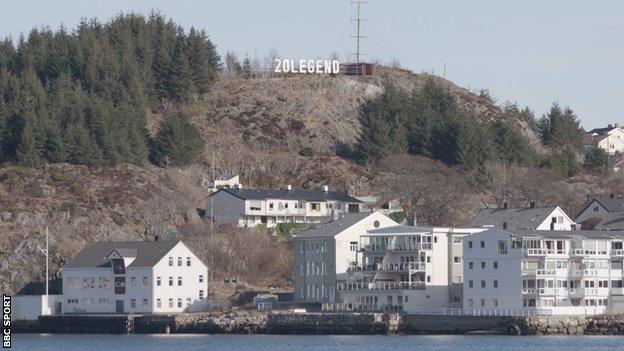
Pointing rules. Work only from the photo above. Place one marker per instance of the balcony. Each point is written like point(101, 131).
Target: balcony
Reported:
point(381, 286)
point(617, 253)
point(588, 252)
point(544, 252)
point(391, 267)
point(539, 272)
point(395, 247)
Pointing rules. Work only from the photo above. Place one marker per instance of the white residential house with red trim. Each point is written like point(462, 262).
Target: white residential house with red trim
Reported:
point(134, 277)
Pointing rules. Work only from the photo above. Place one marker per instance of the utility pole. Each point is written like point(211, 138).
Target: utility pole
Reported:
point(358, 36)
point(47, 256)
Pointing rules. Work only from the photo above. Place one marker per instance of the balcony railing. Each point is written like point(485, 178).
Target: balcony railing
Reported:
point(390, 267)
point(383, 286)
point(544, 252)
point(617, 252)
point(395, 247)
point(484, 311)
point(586, 252)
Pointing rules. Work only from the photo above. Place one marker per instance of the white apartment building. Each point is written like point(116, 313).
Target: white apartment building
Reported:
point(523, 218)
point(406, 268)
point(324, 253)
point(558, 272)
point(224, 181)
point(135, 277)
point(251, 207)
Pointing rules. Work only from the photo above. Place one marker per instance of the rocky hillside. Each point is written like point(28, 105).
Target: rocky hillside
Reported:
point(272, 130)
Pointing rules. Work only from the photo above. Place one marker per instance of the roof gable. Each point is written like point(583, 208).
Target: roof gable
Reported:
point(96, 255)
point(514, 218)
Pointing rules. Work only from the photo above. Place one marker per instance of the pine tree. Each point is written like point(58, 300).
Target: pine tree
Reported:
point(596, 160)
point(177, 143)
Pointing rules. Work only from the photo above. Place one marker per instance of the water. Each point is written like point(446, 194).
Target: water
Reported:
point(186, 342)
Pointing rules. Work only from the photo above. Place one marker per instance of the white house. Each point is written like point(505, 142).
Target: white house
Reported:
point(250, 207)
point(406, 268)
point(324, 253)
point(611, 138)
point(225, 181)
point(134, 277)
point(523, 218)
point(550, 272)
point(373, 203)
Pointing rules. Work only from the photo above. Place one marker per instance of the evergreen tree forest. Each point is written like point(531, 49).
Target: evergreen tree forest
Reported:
point(83, 96)
point(429, 122)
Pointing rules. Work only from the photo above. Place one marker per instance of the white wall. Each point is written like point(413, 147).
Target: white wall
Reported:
point(508, 274)
point(30, 307)
point(566, 223)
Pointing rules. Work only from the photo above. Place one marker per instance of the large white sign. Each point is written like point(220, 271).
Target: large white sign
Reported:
point(307, 66)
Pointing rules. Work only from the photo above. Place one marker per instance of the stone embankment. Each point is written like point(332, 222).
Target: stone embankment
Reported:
point(257, 322)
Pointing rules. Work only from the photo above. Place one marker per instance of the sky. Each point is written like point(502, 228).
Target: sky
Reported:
point(530, 52)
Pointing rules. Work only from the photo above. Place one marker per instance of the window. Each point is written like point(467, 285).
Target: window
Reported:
point(201, 294)
point(470, 244)
point(70, 301)
point(170, 261)
point(179, 261)
point(271, 206)
point(201, 278)
point(179, 281)
point(435, 239)
point(188, 261)
point(158, 281)
point(482, 302)
point(428, 279)
point(482, 264)
point(104, 283)
point(470, 284)
point(255, 205)
point(315, 207)
point(457, 279)
point(133, 281)
point(495, 284)
point(483, 284)
point(494, 302)
point(73, 283)
point(482, 244)
point(470, 265)
point(470, 303)
point(144, 281)
point(144, 303)
point(495, 264)
point(457, 259)
point(188, 301)
point(502, 247)
point(170, 281)
point(133, 303)
point(171, 303)
point(596, 208)
point(88, 283)
point(179, 303)
point(158, 303)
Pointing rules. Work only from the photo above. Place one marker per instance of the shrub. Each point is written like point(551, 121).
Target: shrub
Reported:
point(306, 151)
point(285, 229)
point(397, 216)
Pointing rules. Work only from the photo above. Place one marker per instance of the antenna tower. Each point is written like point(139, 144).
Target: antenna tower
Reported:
point(358, 36)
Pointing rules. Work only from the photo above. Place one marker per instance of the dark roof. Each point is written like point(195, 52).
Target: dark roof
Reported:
point(334, 227)
point(615, 204)
point(516, 218)
point(611, 221)
point(308, 195)
point(601, 131)
point(401, 229)
point(148, 253)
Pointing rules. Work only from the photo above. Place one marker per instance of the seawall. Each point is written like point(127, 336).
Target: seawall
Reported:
point(257, 322)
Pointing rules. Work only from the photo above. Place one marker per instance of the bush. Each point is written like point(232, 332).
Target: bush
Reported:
point(306, 152)
point(285, 229)
point(33, 191)
point(57, 175)
point(397, 216)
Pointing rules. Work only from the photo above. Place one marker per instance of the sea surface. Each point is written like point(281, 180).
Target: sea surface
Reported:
point(183, 342)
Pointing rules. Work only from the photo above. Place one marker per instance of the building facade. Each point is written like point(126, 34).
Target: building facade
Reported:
point(610, 139)
point(560, 272)
point(323, 254)
point(252, 207)
point(406, 268)
point(134, 277)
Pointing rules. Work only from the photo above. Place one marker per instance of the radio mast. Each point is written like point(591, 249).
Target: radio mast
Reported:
point(358, 36)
